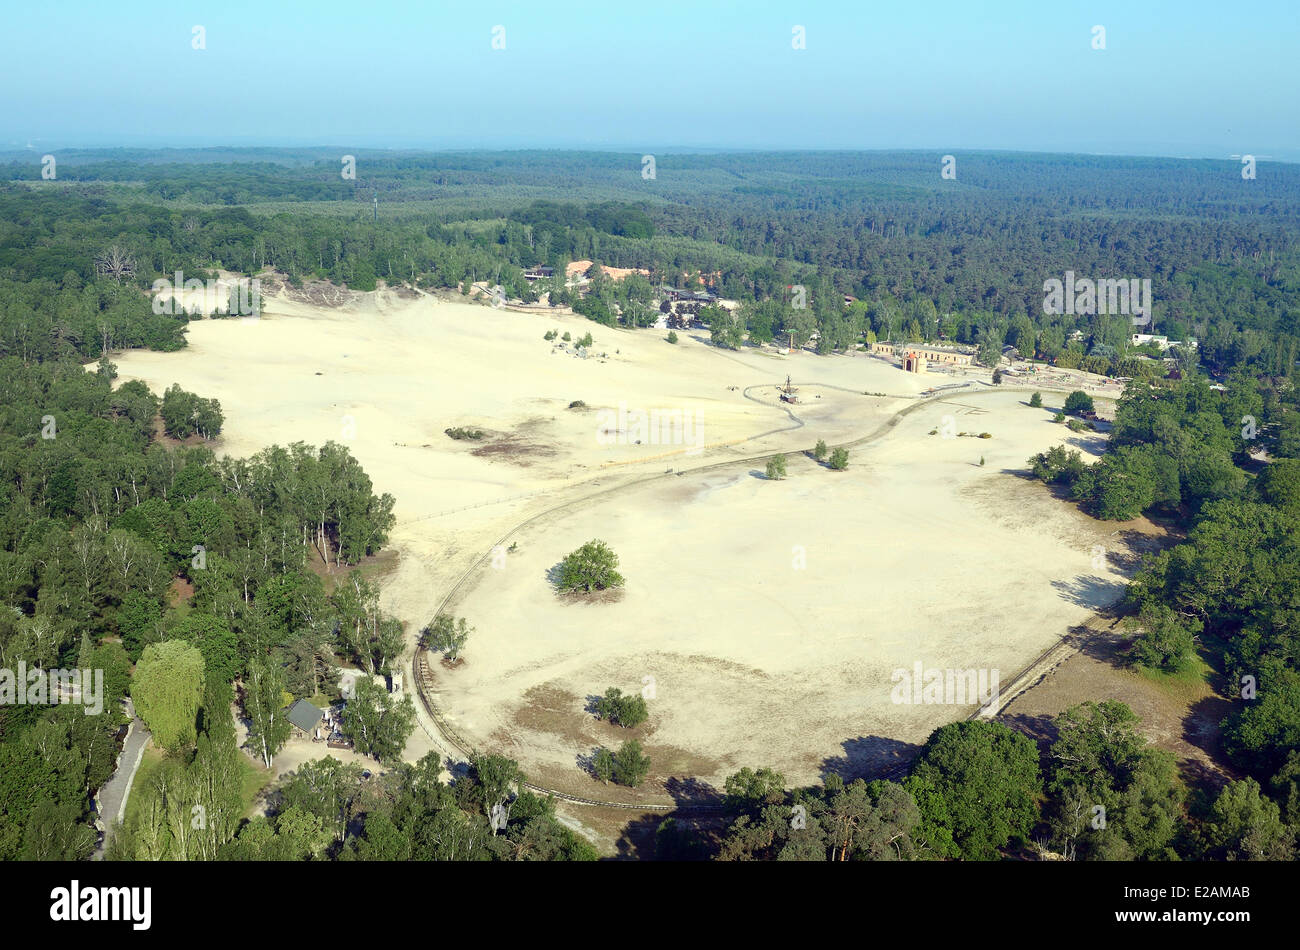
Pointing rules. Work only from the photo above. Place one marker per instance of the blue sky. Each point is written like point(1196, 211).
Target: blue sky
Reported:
point(1188, 78)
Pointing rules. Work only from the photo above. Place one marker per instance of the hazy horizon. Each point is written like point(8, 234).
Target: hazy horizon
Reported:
point(10, 151)
point(1188, 80)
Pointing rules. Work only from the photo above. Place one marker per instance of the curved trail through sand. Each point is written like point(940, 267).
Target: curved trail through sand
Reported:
point(784, 407)
point(458, 749)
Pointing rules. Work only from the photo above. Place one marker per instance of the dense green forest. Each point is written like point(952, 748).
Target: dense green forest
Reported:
point(925, 257)
point(979, 790)
point(100, 521)
point(1228, 594)
point(196, 581)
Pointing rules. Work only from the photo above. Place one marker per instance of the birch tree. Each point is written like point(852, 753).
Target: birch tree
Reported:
point(263, 702)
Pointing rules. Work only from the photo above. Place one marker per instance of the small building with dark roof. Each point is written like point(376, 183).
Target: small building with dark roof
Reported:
point(305, 717)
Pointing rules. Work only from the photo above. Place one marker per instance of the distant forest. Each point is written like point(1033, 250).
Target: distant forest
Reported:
point(925, 257)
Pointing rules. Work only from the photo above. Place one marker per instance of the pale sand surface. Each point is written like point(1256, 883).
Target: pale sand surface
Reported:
point(211, 297)
point(771, 615)
point(915, 553)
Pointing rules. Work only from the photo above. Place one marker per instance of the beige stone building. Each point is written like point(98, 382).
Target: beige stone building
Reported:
point(942, 355)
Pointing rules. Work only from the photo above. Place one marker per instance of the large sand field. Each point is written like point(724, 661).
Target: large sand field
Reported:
point(767, 616)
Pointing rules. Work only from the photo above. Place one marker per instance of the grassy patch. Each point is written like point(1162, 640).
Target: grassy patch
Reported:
point(1187, 685)
point(149, 764)
point(253, 779)
point(376, 567)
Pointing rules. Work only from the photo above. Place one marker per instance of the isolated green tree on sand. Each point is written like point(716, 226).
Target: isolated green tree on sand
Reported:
point(776, 467)
point(628, 711)
point(839, 459)
point(1078, 401)
point(591, 567)
point(447, 635)
point(167, 687)
point(602, 763)
point(819, 450)
point(1036, 400)
point(631, 765)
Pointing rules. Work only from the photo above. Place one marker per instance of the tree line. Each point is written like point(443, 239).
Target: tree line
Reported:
point(925, 259)
point(979, 791)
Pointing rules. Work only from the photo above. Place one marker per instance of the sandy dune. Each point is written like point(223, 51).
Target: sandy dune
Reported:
point(916, 553)
point(771, 616)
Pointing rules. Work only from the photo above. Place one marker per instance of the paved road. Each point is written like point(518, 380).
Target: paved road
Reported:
point(114, 794)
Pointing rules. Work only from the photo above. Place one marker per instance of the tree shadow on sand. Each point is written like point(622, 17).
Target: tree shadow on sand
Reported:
point(585, 761)
point(1093, 443)
point(457, 770)
point(1109, 648)
point(1094, 593)
point(1141, 544)
point(694, 793)
point(1197, 774)
point(701, 832)
point(697, 827)
point(1042, 729)
point(870, 757)
point(1201, 725)
point(1126, 562)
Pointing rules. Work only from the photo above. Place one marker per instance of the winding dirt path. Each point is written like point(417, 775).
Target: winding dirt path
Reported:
point(459, 750)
